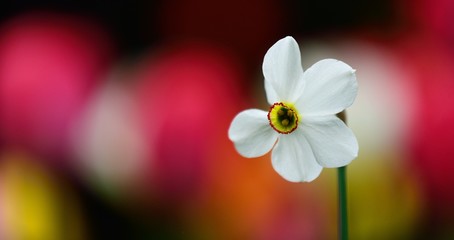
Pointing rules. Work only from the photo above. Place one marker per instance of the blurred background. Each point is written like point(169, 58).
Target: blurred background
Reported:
point(114, 118)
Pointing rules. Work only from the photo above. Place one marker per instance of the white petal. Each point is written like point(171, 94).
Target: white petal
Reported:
point(331, 87)
point(271, 95)
point(293, 158)
point(252, 134)
point(282, 69)
point(333, 143)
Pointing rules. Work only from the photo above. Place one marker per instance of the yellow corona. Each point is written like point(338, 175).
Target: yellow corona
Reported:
point(283, 117)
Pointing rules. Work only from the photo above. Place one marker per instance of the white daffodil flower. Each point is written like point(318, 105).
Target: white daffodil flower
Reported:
point(301, 123)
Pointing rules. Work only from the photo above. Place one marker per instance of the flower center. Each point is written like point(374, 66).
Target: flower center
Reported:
point(283, 118)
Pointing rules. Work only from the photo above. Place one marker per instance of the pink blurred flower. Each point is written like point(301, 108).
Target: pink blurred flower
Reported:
point(186, 97)
point(431, 145)
point(48, 65)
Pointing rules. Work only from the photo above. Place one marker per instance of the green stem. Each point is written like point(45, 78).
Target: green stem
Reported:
point(343, 219)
